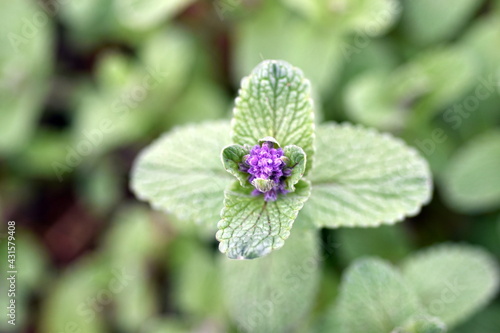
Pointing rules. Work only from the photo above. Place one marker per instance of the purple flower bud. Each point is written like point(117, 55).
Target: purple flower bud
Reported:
point(268, 163)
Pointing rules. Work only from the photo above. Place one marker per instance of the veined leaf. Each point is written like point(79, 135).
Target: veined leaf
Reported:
point(181, 172)
point(274, 101)
point(364, 178)
point(251, 227)
point(452, 281)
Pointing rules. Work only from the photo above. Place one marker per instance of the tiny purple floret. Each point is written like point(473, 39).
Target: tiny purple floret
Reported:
point(266, 162)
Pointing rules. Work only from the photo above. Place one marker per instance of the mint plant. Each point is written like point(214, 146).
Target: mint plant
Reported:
point(277, 161)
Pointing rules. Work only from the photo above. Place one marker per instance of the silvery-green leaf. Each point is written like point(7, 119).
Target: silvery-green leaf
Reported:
point(364, 178)
point(452, 281)
point(181, 172)
point(251, 227)
point(422, 324)
point(274, 100)
point(296, 159)
point(471, 180)
point(231, 157)
point(374, 298)
point(273, 294)
point(428, 21)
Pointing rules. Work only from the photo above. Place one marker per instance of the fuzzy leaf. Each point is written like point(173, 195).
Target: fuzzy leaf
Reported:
point(274, 100)
point(452, 281)
point(231, 157)
point(274, 293)
point(251, 227)
point(472, 178)
point(374, 298)
point(364, 178)
point(181, 172)
point(297, 161)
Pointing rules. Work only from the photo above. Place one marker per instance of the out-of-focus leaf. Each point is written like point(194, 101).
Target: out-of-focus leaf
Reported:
point(101, 187)
point(417, 89)
point(163, 325)
point(136, 302)
point(428, 21)
point(387, 242)
point(143, 14)
point(371, 18)
point(364, 178)
point(131, 98)
point(32, 272)
point(77, 299)
point(374, 298)
point(182, 173)
point(274, 293)
point(251, 227)
point(471, 182)
point(452, 281)
point(275, 33)
point(25, 65)
point(196, 280)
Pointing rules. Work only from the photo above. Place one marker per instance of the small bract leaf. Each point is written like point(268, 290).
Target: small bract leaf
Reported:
point(232, 156)
point(296, 160)
point(274, 100)
point(274, 293)
point(181, 172)
point(251, 227)
point(452, 281)
point(364, 178)
point(471, 180)
point(374, 298)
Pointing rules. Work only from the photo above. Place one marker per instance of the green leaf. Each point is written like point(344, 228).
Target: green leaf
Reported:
point(297, 161)
point(251, 227)
point(144, 14)
point(181, 172)
point(231, 157)
point(452, 281)
point(260, 36)
point(364, 178)
point(471, 180)
point(273, 294)
point(422, 324)
point(274, 100)
point(428, 21)
point(374, 298)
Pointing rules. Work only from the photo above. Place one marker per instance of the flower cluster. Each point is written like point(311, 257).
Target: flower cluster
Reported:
point(268, 164)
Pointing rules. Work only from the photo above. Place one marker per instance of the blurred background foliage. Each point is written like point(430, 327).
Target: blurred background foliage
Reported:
point(85, 85)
